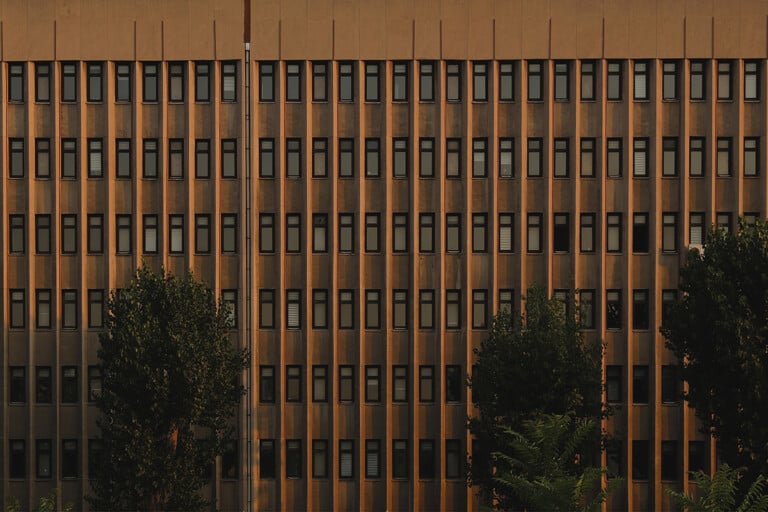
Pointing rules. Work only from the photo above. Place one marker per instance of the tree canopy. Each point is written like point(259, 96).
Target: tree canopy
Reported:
point(170, 388)
point(720, 493)
point(531, 364)
point(719, 332)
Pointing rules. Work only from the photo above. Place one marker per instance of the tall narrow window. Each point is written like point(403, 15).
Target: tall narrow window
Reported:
point(752, 80)
point(176, 158)
point(267, 459)
point(346, 158)
point(95, 81)
point(266, 81)
point(176, 81)
point(293, 233)
point(123, 158)
point(319, 383)
point(562, 81)
point(346, 309)
point(399, 157)
point(561, 236)
point(229, 158)
point(426, 383)
point(43, 458)
point(534, 232)
point(17, 459)
point(588, 80)
point(346, 458)
point(202, 233)
point(69, 158)
point(724, 80)
point(426, 458)
point(669, 156)
point(723, 156)
point(453, 309)
point(69, 385)
point(319, 81)
point(372, 458)
point(202, 81)
point(751, 156)
point(454, 458)
point(400, 460)
point(373, 309)
point(479, 309)
point(426, 81)
point(346, 82)
point(640, 384)
point(641, 80)
point(506, 232)
point(43, 307)
point(150, 233)
point(42, 82)
point(293, 81)
point(613, 309)
point(150, 158)
point(640, 309)
point(16, 72)
point(587, 232)
point(43, 385)
point(698, 87)
point(95, 309)
point(203, 158)
point(16, 159)
point(696, 228)
point(613, 383)
point(95, 158)
point(562, 158)
point(95, 233)
point(17, 385)
point(640, 150)
point(506, 81)
point(372, 383)
point(479, 157)
point(534, 157)
point(399, 384)
point(319, 157)
point(669, 384)
point(453, 158)
point(669, 80)
point(319, 309)
point(372, 232)
point(372, 79)
point(480, 81)
point(346, 383)
point(587, 158)
point(123, 230)
point(176, 234)
point(42, 158)
point(614, 84)
point(453, 81)
point(400, 81)
point(346, 232)
point(122, 82)
point(479, 232)
point(43, 233)
point(69, 82)
point(293, 385)
point(293, 158)
point(426, 309)
point(150, 81)
point(266, 384)
point(696, 158)
point(68, 234)
point(506, 157)
point(723, 221)
point(613, 232)
point(426, 232)
point(399, 232)
point(587, 308)
point(372, 157)
point(69, 309)
point(266, 309)
point(319, 458)
point(228, 81)
point(614, 157)
point(319, 232)
point(17, 235)
point(426, 157)
point(452, 232)
point(669, 232)
point(399, 309)
point(267, 158)
point(640, 232)
point(535, 81)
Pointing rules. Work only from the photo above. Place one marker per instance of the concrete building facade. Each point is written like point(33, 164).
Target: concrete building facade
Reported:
point(367, 183)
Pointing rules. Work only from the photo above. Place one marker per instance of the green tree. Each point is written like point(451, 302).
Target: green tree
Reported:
point(719, 332)
point(531, 364)
point(46, 503)
point(538, 466)
point(719, 494)
point(170, 387)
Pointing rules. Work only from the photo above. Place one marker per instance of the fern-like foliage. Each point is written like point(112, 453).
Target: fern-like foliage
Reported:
point(720, 493)
point(537, 468)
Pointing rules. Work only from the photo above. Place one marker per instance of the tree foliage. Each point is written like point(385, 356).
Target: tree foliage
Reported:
point(719, 494)
point(537, 466)
point(719, 332)
point(46, 503)
point(170, 387)
point(532, 364)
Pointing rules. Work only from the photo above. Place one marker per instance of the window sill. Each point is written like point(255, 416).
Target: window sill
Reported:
point(94, 102)
point(725, 100)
